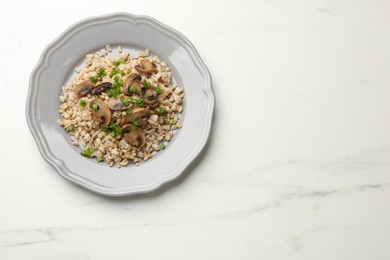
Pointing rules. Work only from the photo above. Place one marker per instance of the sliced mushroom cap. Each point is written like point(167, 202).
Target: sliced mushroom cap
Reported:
point(101, 87)
point(102, 114)
point(151, 97)
point(135, 137)
point(83, 89)
point(139, 112)
point(133, 79)
point(116, 104)
point(146, 66)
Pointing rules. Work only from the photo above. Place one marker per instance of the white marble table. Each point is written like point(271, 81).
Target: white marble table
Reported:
point(298, 164)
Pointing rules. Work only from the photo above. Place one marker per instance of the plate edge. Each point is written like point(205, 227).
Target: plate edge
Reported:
point(58, 164)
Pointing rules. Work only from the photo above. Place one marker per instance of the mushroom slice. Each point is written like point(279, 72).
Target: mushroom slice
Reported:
point(101, 87)
point(151, 97)
point(146, 66)
point(83, 89)
point(132, 80)
point(135, 137)
point(139, 112)
point(102, 114)
point(115, 104)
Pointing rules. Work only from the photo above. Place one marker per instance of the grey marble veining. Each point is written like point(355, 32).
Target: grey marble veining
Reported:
point(298, 162)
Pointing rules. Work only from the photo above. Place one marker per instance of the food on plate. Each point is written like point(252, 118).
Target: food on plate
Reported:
point(121, 108)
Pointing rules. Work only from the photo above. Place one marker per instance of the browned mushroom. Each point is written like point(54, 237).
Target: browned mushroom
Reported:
point(146, 66)
point(139, 112)
point(116, 104)
point(100, 111)
point(101, 87)
point(132, 80)
point(135, 137)
point(83, 89)
point(151, 97)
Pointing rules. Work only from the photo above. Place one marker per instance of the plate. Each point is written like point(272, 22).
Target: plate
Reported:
point(56, 66)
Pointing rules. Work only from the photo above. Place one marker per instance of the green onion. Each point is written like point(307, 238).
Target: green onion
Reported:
point(129, 111)
point(166, 122)
point(127, 101)
point(95, 107)
point(83, 103)
point(162, 146)
point(107, 128)
point(139, 102)
point(121, 72)
point(101, 72)
point(135, 123)
point(148, 94)
point(133, 89)
point(146, 84)
point(112, 129)
point(116, 87)
point(119, 61)
point(114, 92)
point(88, 153)
point(94, 79)
point(163, 111)
point(128, 72)
point(100, 159)
point(70, 128)
point(114, 71)
point(173, 122)
point(158, 89)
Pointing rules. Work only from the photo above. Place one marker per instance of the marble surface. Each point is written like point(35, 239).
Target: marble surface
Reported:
point(298, 162)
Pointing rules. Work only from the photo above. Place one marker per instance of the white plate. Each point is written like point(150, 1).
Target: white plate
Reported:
point(56, 66)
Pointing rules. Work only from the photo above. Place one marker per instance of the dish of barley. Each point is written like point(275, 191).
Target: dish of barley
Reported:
point(121, 109)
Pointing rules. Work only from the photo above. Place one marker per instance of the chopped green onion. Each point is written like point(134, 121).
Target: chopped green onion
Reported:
point(115, 89)
point(127, 101)
point(166, 122)
point(70, 128)
point(114, 71)
point(88, 153)
point(158, 89)
point(94, 79)
point(139, 102)
point(100, 159)
point(119, 61)
point(162, 146)
point(101, 72)
point(135, 123)
point(129, 111)
point(95, 107)
point(173, 122)
point(133, 89)
point(114, 92)
point(148, 94)
point(163, 111)
point(112, 129)
point(146, 84)
point(121, 72)
point(128, 72)
point(83, 103)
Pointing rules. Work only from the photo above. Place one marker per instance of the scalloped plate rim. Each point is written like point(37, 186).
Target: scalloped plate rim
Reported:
point(58, 164)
